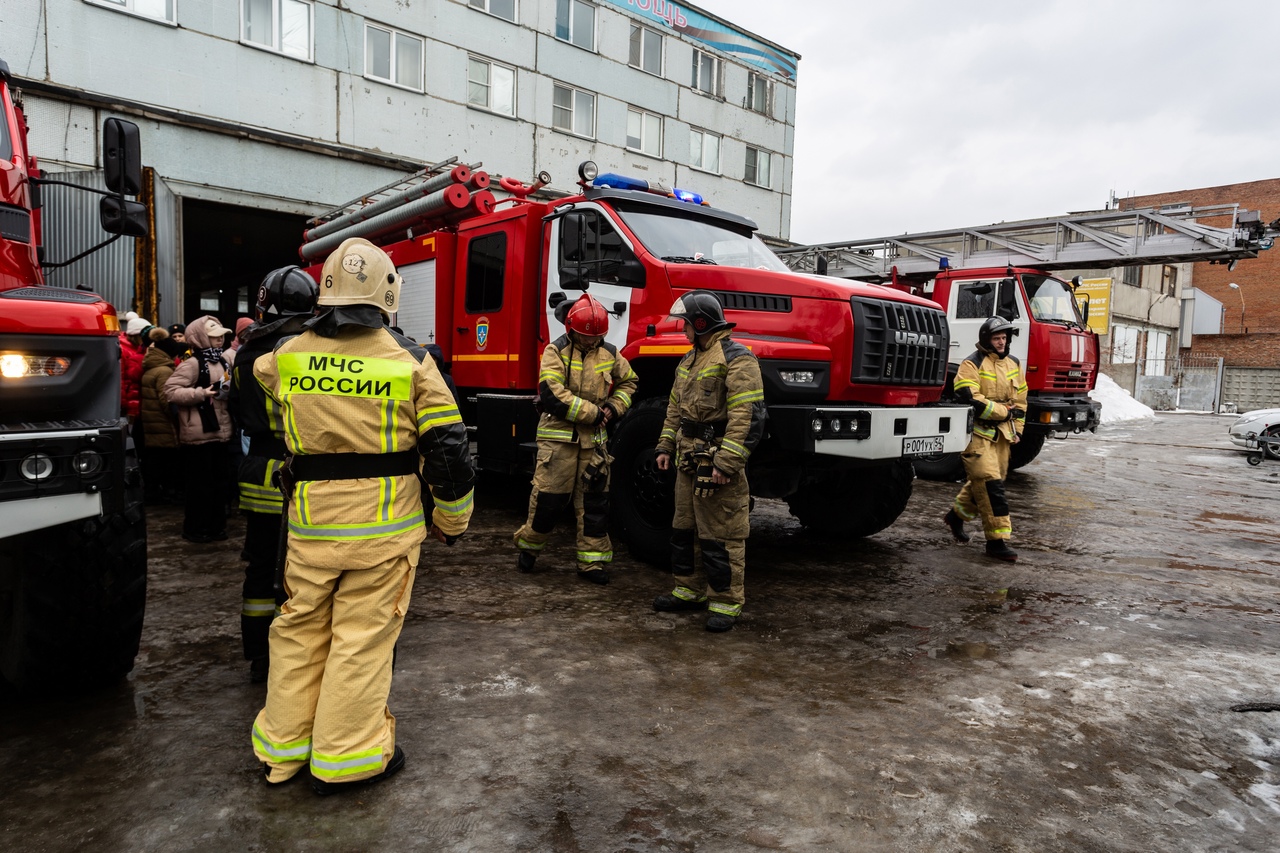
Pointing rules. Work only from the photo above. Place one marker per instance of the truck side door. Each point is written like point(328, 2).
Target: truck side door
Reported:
point(973, 301)
point(585, 243)
point(486, 307)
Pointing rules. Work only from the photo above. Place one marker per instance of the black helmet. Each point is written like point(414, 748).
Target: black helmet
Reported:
point(994, 326)
point(286, 292)
point(702, 310)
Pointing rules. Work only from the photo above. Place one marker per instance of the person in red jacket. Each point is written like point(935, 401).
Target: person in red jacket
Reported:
point(133, 348)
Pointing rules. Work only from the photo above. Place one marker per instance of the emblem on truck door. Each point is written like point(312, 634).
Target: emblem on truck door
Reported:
point(482, 332)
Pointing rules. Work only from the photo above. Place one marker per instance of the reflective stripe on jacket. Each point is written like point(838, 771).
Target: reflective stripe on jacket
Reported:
point(572, 385)
point(992, 385)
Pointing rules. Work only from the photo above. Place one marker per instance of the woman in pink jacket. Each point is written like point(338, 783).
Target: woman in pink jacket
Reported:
point(198, 388)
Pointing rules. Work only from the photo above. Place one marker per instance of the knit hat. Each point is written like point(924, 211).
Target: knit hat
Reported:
point(136, 326)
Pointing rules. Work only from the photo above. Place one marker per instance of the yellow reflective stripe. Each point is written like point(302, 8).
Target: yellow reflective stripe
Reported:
point(258, 607)
point(1022, 389)
point(525, 545)
point(576, 364)
point(555, 434)
point(985, 432)
point(624, 397)
point(986, 374)
point(965, 383)
point(681, 370)
point(256, 490)
point(335, 766)
point(548, 375)
point(962, 512)
point(631, 374)
point(1012, 374)
point(726, 609)
point(574, 408)
point(986, 412)
point(270, 506)
point(604, 366)
point(713, 370)
point(291, 426)
point(672, 396)
point(1007, 531)
point(667, 433)
point(275, 416)
point(386, 424)
point(386, 489)
point(457, 507)
point(344, 376)
point(595, 556)
point(295, 750)
point(744, 397)
point(438, 416)
point(685, 594)
point(734, 447)
point(367, 530)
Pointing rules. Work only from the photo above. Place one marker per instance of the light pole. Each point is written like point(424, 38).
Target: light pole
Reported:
point(1240, 291)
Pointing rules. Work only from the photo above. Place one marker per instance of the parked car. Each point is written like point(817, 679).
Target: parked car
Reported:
point(1258, 423)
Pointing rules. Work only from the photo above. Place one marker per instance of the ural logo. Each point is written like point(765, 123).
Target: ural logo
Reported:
point(916, 339)
point(482, 333)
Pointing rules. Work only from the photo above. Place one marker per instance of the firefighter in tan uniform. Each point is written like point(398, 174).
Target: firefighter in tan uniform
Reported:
point(990, 380)
point(715, 418)
point(363, 408)
point(583, 385)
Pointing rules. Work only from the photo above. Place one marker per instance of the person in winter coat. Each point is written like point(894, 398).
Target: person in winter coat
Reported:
point(199, 387)
point(132, 349)
point(159, 448)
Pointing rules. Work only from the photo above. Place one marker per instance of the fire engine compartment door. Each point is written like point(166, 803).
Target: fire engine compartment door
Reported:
point(486, 308)
point(589, 236)
point(975, 300)
point(417, 314)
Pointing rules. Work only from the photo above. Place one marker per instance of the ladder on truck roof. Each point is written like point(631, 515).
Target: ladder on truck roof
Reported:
point(1095, 240)
point(396, 187)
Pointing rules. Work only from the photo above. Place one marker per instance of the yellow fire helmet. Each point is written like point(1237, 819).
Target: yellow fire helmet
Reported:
point(359, 273)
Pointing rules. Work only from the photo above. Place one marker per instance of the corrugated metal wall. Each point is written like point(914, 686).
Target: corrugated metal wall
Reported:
point(69, 219)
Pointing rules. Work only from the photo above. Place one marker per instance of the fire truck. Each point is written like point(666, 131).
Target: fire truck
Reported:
point(73, 545)
point(1004, 270)
point(852, 372)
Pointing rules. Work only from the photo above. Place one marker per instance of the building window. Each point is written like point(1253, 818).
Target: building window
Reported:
point(1169, 280)
point(758, 163)
point(160, 10)
point(486, 267)
point(646, 49)
point(491, 86)
point(1157, 354)
point(280, 25)
point(707, 73)
point(393, 57)
point(573, 111)
point(1131, 276)
point(576, 23)
point(502, 8)
point(644, 132)
point(704, 151)
point(759, 93)
point(1124, 344)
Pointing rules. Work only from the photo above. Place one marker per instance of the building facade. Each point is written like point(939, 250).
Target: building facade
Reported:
point(257, 114)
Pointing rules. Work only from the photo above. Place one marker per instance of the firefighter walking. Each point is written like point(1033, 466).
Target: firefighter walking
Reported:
point(286, 300)
point(990, 380)
point(362, 409)
point(583, 385)
point(715, 418)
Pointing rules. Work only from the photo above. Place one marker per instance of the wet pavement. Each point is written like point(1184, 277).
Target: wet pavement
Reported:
point(894, 693)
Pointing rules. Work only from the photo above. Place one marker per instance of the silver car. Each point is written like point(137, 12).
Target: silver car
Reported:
point(1262, 423)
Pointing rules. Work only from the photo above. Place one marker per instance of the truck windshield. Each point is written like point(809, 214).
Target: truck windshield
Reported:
point(1051, 299)
point(6, 144)
point(678, 239)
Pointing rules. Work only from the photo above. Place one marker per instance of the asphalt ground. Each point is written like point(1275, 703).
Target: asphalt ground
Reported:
point(895, 693)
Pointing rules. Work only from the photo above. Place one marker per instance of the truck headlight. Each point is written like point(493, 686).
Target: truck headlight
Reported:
point(88, 463)
point(796, 377)
point(36, 467)
point(1050, 417)
point(17, 366)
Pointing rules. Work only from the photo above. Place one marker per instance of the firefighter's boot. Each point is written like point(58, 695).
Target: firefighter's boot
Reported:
point(595, 573)
point(999, 549)
point(956, 523)
point(718, 623)
point(394, 766)
point(526, 560)
point(669, 603)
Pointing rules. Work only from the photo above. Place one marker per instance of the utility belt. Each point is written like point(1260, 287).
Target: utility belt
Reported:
point(702, 431)
point(268, 446)
point(352, 466)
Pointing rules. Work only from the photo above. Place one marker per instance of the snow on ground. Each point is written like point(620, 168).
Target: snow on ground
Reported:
point(1118, 405)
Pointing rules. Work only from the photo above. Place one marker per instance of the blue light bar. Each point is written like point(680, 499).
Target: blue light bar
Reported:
point(622, 182)
point(685, 195)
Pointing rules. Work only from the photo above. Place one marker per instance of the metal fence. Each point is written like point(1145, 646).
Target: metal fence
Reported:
point(1188, 383)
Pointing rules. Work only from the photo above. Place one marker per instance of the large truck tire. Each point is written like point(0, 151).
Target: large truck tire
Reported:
point(1027, 449)
point(643, 497)
point(943, 468)
point(854, 503)
point(71, 601)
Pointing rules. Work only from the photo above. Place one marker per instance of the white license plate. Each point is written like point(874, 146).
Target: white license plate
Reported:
point(925, 446)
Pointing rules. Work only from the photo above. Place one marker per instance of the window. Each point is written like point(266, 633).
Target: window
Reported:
point(1157, 350)
point(491, 86)
point(573, 111)
point(644, 132)
point(486, 266)
point(704, 151)
point(758, 163)
point(646, 49)
point(393, 57)
point(706, 73)
point(280, 25)
point(759, 93)
point(501, 8)
point(576, 23)
point(591, 249)
point(161, 10)
point(1169, 280)
point(1131, 276)
point(1124, 345)
point(976, 300)
point(685, 237)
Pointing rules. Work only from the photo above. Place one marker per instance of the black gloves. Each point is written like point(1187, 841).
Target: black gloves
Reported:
point(1016, 414)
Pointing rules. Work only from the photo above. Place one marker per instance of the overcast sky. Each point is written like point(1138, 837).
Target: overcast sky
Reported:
point(918, 116)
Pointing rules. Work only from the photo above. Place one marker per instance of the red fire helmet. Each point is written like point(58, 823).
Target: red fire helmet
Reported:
point(588, 317)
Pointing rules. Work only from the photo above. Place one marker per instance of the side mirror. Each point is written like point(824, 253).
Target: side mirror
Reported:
point(1084, 312)
point(118, 216)
point(122, 156)
point(574, 278)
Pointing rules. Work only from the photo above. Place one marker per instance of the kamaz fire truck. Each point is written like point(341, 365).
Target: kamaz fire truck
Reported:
point(852, 372)
point(1004, 269)
point(73, 561)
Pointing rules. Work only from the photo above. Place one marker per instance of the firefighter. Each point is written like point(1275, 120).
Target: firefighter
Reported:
point(583, 385)
point(362, 408)
point(990, 380)
point(286, 300)
point(715, 418)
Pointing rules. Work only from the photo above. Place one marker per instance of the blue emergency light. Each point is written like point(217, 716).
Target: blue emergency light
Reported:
point(610, 180)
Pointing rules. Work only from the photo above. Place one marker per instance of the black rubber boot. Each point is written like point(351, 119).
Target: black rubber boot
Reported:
point(956, 523)
point(259, 669)
point(599, 576)
point(718, 623)
point(526, 560)
point(1000, 549)
point(670, 604)
point(394, 766)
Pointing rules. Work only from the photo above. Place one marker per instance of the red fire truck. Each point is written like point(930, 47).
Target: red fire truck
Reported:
point(73, 547)
point(852, 372)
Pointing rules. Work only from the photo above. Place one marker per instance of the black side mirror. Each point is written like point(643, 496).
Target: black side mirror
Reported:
point(119, 216)
point(574, 278)
point(122, 156)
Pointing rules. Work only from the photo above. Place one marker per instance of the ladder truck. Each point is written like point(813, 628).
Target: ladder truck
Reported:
point(1005, 269)
point(852, 372)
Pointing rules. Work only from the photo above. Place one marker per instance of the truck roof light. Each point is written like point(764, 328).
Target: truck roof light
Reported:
point(615, 181)
point(685, 195)
point(587, 171)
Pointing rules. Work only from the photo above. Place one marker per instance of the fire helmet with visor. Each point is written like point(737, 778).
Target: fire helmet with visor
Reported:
point(286, 292)
point(994, 326)
point(702, 310)
point(360, 273)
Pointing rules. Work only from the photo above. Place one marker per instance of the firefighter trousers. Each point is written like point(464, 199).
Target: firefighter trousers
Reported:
point(986, 462)
point(709, 543)
point(557, 480)
point(331, 651)
point(258, 606)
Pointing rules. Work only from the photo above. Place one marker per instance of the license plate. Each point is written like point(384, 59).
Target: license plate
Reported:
point(924, 446)
point(1075, 374)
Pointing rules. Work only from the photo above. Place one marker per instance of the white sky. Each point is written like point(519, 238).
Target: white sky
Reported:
point(918, 115)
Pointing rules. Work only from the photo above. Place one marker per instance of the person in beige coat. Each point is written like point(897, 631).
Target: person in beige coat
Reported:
point(198, 388)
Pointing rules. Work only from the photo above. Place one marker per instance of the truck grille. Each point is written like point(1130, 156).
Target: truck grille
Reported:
point(898, 344)
point(1064, 381)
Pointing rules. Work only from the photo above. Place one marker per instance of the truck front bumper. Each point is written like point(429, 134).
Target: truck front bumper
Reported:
point(869, 432)
point(50, 476)
point(1063, 414)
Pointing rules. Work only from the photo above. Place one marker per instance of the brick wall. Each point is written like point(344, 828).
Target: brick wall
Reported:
point(1251, 350)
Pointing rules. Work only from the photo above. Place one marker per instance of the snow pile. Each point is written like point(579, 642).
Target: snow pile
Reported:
point(1118, 405)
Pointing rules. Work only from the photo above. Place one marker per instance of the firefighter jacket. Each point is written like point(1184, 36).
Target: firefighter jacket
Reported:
point(717, 390)
point(992, 386)
point(358, 389)
point(573, 385)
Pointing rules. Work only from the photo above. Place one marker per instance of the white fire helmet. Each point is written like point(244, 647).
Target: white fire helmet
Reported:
point(359, 273)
